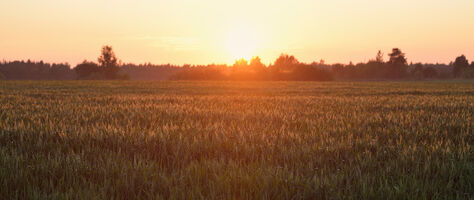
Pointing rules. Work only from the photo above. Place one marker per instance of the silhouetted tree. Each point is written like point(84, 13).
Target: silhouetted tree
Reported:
point(338, 70)
point(304, 72)
point(397, 57)
point(150, 71)
point(418, 67)
point(86, 70)
point(210, 72)
point(241, 63)
point(397, 64)
point(30, 70)
point(430, 72)
point(468, 72)
point(284, 63)
point(256, 65)
point(379, 57)
point(285, 67)
point(374, 69)
point(459, 65)
point(109, 63)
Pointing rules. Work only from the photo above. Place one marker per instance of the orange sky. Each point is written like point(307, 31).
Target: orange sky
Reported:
point(216, 31)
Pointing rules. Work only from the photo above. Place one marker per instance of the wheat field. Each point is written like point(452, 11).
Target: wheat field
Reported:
point(236, 140)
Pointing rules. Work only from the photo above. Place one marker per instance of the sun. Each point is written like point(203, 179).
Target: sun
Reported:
point(242, 43)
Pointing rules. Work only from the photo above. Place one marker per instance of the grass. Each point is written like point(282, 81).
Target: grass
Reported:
point(236, 140)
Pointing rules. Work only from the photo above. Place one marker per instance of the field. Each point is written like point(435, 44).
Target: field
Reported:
point(236, 140)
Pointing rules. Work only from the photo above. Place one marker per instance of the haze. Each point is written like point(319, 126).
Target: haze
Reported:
point(212, 31)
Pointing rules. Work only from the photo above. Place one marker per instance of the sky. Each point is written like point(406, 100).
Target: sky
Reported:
point(219, 31)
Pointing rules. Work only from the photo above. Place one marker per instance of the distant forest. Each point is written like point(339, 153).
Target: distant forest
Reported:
point(285, 68)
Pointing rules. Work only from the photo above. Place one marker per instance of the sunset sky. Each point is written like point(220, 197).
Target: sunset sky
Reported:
point(217, 31)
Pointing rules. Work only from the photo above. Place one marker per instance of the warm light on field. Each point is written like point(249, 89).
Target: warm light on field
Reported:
point(242, 42)
point(222, 140)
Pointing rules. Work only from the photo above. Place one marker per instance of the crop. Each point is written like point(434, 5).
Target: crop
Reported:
point(236, 140)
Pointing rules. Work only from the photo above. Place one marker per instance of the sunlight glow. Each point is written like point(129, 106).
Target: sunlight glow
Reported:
point(215, 31)
point(242, 42)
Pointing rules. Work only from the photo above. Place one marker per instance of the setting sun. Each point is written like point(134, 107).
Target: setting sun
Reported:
point(242, 42)
point(212, 99)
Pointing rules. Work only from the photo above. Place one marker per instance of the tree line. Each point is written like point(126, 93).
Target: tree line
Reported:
point(284, 68)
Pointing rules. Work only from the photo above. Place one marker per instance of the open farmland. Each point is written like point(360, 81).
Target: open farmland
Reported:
point(236, 140)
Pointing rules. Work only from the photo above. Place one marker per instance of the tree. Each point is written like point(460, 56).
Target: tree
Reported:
point(108, 63)
point(418, 68)
point(417, 71)
point(397, 57)
point(256, 64)
point(285, 63)
point(459, 65)
point(86, 69)
point(379, 57)
point(397, 64)
point(241, 63)
point(430, 72)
